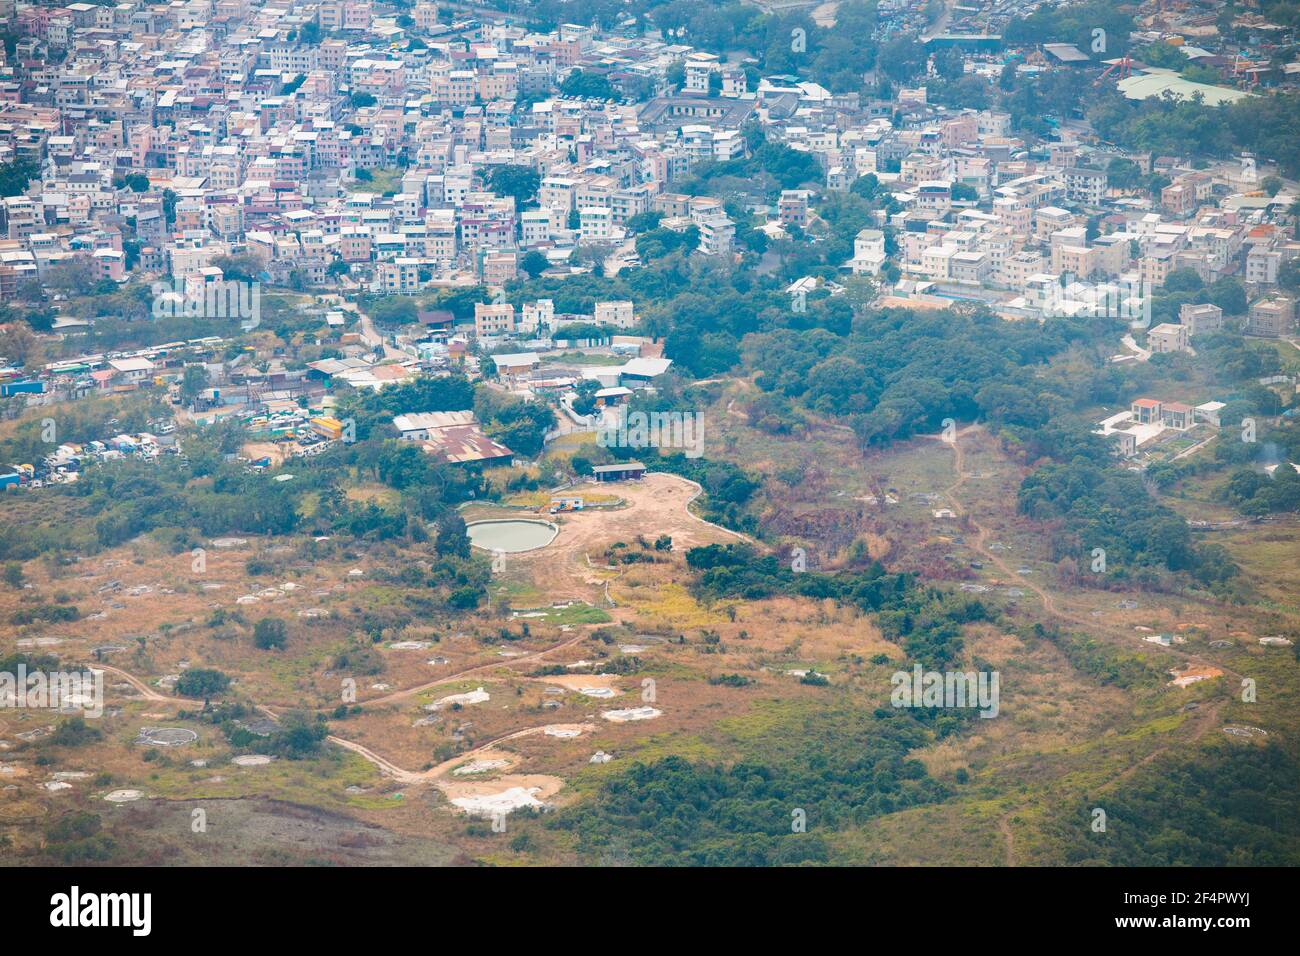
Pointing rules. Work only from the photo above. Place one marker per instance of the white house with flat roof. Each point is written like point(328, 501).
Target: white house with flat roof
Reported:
point(868, 253)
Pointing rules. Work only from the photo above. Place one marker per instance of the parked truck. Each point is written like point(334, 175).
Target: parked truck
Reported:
point(30, 387)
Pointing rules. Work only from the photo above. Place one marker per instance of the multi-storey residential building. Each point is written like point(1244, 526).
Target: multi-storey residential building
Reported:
point(717, 232)
point(1272, 317)
point(494, 319)
point(536, 316)
point(596, 224)
point(1200, 318)
point(793, 207)
point(868, 252)
point(1084, 185)
point(618, 314)
point(1168, 337)
point(401, 276)
point(1262, 265)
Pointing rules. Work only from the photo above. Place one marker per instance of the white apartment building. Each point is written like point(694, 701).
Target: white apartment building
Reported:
point(868, 252)
point(1262, 265)
point(717, 233)
point(535, 315)
point(618, 314)
point(596, 224)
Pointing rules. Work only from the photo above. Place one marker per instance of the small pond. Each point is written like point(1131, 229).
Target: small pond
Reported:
point(511, 535)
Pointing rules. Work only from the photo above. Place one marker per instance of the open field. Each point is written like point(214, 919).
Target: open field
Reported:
point(511, 702)
point(573, 565)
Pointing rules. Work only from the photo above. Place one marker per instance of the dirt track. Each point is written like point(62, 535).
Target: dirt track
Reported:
point(147, 692)
point(981, 535)
point(1201, 724)
point(656, 505)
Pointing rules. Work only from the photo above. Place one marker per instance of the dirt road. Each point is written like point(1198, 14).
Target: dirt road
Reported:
point(409, 692)
point(658, 504)
point(147, 692)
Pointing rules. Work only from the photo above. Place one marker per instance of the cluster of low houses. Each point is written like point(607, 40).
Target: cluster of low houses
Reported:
point(1148, 418)
point(1270, 317)
point(276, 403)
point(457, 437)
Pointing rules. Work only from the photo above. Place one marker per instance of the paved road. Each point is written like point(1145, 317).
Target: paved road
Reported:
point(369, 334)
point(941, 25)
point(1130, 343)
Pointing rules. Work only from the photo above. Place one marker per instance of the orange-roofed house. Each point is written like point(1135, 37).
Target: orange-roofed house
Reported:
point(1146, 411)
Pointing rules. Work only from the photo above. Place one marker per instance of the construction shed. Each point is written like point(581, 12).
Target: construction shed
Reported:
point(625, 471)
